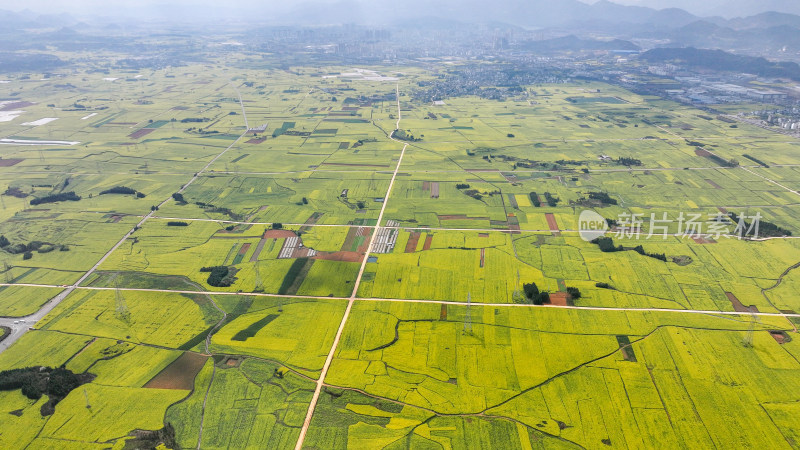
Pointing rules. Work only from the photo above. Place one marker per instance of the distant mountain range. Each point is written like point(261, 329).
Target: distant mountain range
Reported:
point(763, 33)
point(723, 8)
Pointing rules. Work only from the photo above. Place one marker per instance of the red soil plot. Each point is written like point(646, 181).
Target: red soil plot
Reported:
point(443, 312)
point(703, 240)
point(428, 242)
point(737, 305)
point(702, 152)
point(180, 374)
point(244, 249)
point(413, 240)
point(559, 299)
point(141, 133)
point(779, 336)
point(341, 256)
point(426, 186)
point(256, 140)
point(483, 256)
point(434, 189)
point(278, 234)
point(551, 222)
point(10, 162)
point(712, 183)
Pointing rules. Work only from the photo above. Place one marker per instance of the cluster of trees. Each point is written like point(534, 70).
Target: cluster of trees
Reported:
point(218, 209)
point(628, 161)
point(606, 245)
point(660, 256)
point(52, 198)
point(603, 198)
point(405, 135)
point(535, 199)
point(462, 186)
point(722, 161)
point(123, 190)
point(177, 224)
point(219, 276)
point(27, 249)
point(37, 381)
point(194, 120)
point(602, 285)
point(178, 197)
point(550, 199)
point(474, 194)
point(533, 294)
point(765, 229)
point(756, 160)
point(574, 293)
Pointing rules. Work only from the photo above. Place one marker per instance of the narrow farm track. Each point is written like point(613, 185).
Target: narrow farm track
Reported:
point(18, 330)
point(315, 398)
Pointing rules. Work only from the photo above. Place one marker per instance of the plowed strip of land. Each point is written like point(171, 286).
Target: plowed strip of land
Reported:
point(258, 250)
point(737, 304)
point(278, 234)
point(551, 222)
point(428, 242)
point(413, 240)
point(140, 133)
point(180, 374)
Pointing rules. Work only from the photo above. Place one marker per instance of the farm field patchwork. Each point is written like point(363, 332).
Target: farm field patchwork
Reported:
point(241, 254)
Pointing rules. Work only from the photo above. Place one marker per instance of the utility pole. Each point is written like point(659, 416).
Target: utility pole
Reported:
point(748, 337)
point(122, 308)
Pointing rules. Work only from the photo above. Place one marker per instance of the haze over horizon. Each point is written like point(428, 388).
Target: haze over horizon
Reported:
point(193, 10)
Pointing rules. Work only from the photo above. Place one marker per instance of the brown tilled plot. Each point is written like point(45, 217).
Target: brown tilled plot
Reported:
point(10, 162)
point(341, 256)
point(278, 234)
point(141, 133)
point(15, 105)
point(180, 374)
point(551, 222)
point(737, 305)
point(712, 183)
point(428, 242)
point(559, 299)
point(413, 240)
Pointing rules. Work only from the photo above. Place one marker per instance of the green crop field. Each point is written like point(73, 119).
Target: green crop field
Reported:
point(306, 273)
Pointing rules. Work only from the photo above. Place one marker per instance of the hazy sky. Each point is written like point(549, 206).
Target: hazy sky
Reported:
point(228, 8)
